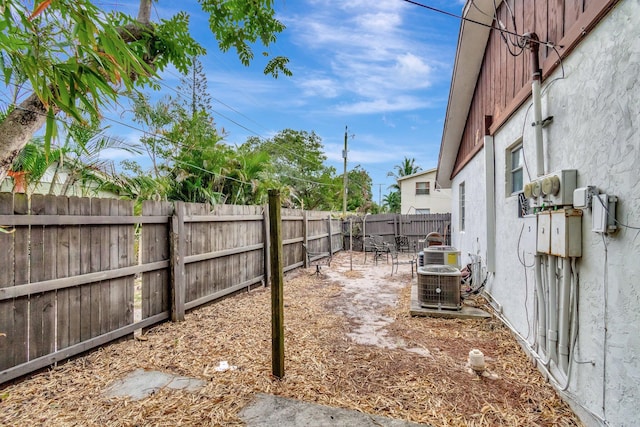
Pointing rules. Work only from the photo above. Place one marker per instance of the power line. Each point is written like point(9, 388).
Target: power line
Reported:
point(262, 137)
point(179, 144)
point(473, 21)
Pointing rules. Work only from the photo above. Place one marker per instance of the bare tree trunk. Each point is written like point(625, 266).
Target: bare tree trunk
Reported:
point(20, 125)
point(144, 12)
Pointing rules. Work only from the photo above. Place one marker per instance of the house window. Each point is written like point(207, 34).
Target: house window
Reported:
point(461, 201)
point(422, 188)
point(515, 176)
point(423, 211)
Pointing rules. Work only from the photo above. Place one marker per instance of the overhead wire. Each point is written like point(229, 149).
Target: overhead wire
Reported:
point(253, 132)
point(473, 21)
point(146, 132)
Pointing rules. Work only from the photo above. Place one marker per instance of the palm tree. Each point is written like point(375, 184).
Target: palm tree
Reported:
point(76, 160)
point(392, 202)
point(406, 168)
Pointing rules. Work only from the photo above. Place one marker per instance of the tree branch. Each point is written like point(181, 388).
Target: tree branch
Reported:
point(18, 128)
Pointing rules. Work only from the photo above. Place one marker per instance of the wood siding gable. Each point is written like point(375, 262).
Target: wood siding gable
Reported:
point(504, 82)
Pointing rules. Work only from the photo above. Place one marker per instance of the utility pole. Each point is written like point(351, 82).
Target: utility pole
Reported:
point(344, 189)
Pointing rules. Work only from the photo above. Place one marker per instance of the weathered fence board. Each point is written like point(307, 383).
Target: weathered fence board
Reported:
point(8, 335)
point(155, 247)
point(21, 247)
point(67, 272)
point(62, 255)
point(415, 227)
point(42, 267)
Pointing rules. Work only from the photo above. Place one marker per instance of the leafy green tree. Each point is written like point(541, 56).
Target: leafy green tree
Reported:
point(76, 59)
point(195, 90)
point(158, 121)
point(298, 163)
point(359, 190)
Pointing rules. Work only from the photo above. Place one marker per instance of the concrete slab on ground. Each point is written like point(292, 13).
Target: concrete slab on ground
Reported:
point(268, 410)
point(141, 383)
point(465, 312)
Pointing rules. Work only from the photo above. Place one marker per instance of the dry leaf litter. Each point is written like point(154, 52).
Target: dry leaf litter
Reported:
point(349, 342)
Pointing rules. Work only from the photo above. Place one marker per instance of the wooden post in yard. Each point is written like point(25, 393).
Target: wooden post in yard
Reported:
point(277, 303)
point(330, 237)
point(177, 263)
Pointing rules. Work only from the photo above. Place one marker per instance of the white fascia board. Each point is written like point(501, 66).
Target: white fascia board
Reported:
point(472, 41)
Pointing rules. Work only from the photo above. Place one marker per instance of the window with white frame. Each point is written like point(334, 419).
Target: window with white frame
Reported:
point(422, 188)
point(515, 171)
point(461, 201)
point(426, 211)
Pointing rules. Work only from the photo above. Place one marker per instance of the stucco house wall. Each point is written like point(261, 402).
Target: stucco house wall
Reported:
point(595, 130)
point(437, 201)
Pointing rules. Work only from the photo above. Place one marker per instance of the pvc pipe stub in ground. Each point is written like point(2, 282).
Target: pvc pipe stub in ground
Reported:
point(476, 360)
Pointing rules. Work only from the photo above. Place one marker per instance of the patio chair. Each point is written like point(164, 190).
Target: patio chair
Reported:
point(368, 246)
point(402, 243)
point(396, 261)
point(381, 248)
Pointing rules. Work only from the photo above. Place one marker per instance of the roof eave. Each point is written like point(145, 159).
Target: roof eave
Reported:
point(472, 41)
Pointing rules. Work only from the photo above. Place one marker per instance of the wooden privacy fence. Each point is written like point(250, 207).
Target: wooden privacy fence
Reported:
point(415, 227)
point(70, 279)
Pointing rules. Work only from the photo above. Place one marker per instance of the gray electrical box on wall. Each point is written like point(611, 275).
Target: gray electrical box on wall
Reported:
point(560, 233)
point(543, 241)
point(566, 233)
point(603, 213)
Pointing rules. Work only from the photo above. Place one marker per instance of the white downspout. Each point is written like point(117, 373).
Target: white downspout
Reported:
point(489, 156)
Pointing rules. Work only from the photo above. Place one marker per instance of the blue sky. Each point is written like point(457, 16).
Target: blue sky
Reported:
point(382, 68)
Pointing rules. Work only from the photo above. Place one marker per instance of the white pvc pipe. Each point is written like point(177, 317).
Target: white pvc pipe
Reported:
point(565, 306)
point(552, 309)
point(542, 316)
point(537, 117)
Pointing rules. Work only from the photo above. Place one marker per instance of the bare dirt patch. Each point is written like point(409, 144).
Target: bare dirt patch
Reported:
point(350, 343)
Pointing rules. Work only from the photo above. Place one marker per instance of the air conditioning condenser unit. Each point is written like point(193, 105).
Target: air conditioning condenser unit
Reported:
point(439, 287)
point(442, 255)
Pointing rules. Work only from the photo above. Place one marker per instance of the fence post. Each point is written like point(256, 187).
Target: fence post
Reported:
point(267, 245)
point(177, 251)
point(305, 237)
point(330, 237)
point(277, 301)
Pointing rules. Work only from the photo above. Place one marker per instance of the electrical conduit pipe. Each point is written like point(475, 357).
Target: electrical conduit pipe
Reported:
point(534, 45)
point(552, 309)
point(565, 304)
point(542, 316)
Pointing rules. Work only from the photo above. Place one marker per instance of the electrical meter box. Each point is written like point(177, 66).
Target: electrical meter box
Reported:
point(543, 242)
point(566, 233)
point(529, 235)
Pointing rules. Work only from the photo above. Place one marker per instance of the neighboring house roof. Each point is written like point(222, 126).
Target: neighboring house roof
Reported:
point(417, 174)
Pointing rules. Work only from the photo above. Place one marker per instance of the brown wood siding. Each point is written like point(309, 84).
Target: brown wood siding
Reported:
point(504, 80)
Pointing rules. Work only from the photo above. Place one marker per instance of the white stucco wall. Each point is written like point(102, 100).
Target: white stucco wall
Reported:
point(596, 130)
point(437, 201)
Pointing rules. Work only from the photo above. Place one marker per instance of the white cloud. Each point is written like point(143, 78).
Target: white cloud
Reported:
point(368, 51)
point(382, 105)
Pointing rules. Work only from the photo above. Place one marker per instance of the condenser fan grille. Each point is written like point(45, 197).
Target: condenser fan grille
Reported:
point(439, 287)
